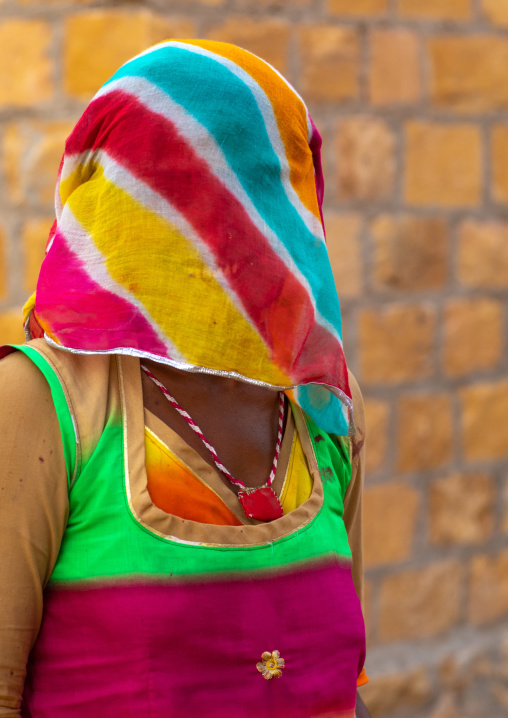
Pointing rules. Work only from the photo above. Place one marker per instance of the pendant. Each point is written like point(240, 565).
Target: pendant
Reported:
point(262, 504)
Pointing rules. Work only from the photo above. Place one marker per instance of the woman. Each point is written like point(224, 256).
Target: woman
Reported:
point(182, 537)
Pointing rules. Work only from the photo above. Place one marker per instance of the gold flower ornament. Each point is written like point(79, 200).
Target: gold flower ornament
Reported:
point(271, 665)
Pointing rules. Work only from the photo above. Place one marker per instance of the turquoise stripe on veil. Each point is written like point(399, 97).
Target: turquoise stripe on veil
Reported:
point(244, 155)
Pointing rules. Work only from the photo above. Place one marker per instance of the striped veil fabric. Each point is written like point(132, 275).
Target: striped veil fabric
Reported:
point(189, 229)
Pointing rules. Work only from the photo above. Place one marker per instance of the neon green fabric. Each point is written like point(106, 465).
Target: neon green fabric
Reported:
point(104, 539)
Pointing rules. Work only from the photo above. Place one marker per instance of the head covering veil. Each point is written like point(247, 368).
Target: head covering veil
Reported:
point(189, 229)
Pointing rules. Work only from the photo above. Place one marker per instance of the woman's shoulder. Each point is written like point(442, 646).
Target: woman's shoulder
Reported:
point(21, 382)
point(25, 386)
point(34, 362)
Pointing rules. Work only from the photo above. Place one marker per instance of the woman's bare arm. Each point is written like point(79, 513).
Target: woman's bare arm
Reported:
point(33, 514)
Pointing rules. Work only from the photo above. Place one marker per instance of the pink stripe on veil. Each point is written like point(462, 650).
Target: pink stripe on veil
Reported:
point(315, 147)
point(73, 289)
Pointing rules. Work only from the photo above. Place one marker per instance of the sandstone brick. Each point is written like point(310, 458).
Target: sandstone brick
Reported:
point(348, 321)
point(410, 253)
point(32, 154)
point(496, 11)
point(330, 62)
point(499, 691)
point(269, 39)
point(53, 2)
point(396, 343)
point(3, 264)
point(34, 236)
point(343, 241)
point(26, 71)
point(421, 603)
point(368, 595)
point(447, 707)
point(469, 73)
point(389, 523)
point(359, 7)
point(43, 158)
point(461, 509)
point(11, 327)
point(377, 414)
point(467, 663)
point(115, 36)
point(366, 162)
point(484, 418)
point(272, 4)
point(473, 335)
point(505, 505)
point(448, 670)
point(499, 161)
point(394, 75)
point(13, 146)
point(425, 431)
point(393, 691)
point(443, 164)
point(489, 588)
point(435, 9)
point(483, 254)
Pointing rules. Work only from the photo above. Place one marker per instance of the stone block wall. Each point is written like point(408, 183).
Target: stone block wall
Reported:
point(411, 97)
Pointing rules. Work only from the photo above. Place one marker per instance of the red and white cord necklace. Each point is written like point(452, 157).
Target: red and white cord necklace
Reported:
point(261, 503)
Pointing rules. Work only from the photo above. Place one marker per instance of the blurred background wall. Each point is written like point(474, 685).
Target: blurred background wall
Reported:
point(411, 97)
